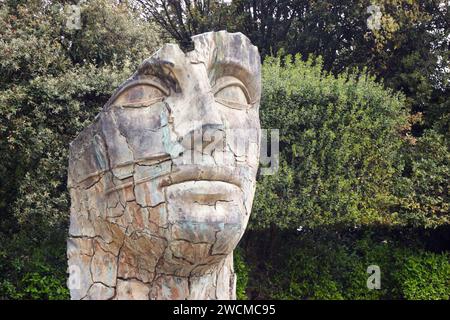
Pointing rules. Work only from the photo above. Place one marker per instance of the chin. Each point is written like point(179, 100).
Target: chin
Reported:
point(206, 221)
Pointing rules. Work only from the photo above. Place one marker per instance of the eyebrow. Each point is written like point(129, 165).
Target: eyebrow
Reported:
point(130, 83)
point(161, 69)
point(238, 71)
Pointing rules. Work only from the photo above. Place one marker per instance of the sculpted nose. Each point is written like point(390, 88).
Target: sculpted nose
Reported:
point(207, 127)
point(205, 138)
point(205, 111)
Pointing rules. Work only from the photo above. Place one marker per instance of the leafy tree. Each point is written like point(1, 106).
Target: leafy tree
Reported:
point(347, 154)
point(339, 143)
point(409, 50)
point(183, 19)
point(423, 190)
point(54, 81)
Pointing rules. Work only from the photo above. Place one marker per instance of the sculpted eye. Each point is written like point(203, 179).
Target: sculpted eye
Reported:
point(140, 94)
point(231, 93)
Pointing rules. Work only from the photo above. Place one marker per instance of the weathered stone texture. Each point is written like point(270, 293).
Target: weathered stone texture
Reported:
point(162, 182)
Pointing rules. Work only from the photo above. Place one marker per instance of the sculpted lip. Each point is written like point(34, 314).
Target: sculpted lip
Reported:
point(162, 181)
point(203, 192)
point(185, 173)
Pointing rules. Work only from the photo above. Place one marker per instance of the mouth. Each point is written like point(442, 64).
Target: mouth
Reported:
point(192, 173)
point(233, 176)
point(203, 193)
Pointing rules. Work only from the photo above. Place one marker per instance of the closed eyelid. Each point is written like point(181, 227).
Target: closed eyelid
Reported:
point(228, 81)
point(160, 93)
point(148, 82)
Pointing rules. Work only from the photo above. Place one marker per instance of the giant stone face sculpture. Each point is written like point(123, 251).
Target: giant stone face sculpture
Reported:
point(162, 182)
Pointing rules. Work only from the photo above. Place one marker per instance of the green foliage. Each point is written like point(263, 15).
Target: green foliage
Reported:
point(332, 265)
point(242, 270)
point(38, 286)
point(346, 158)
point(182, 20)
point(339, 146)
point(423, 191)
point(54, 81)
point(424, 276)
point(31, 271)
point(113, 34)
point(409, 50)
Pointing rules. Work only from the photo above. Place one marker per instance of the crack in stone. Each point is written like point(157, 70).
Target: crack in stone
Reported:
point(114, 117)
point(163, 246)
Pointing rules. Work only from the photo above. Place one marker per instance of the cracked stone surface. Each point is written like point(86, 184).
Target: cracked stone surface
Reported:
point(162, 182)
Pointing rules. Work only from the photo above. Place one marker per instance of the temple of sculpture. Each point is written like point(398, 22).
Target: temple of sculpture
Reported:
point(162, 182)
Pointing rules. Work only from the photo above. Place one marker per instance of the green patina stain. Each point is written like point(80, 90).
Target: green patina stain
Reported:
point(99, 154)
point(173, 148)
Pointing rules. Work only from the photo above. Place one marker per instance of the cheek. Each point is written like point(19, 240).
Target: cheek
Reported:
point(234, 118)
point(243, 135)
point(143, 129)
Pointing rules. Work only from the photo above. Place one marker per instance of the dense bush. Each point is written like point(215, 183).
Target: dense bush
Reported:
point(346, 161)
point(54, 81)
point(34, 271)
point(422, 275)
point(422, 191)
point(332, 264)
point(339, 147)
point(242, 270)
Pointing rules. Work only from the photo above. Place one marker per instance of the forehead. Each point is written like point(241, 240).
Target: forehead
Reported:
point(222, 54)
point(228, 54)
